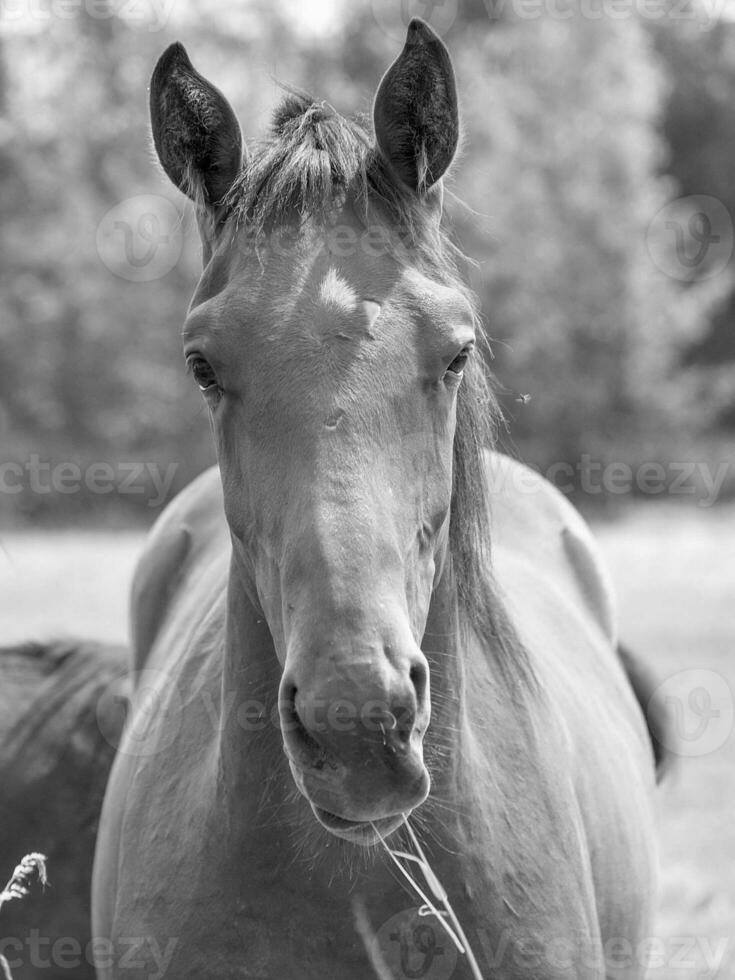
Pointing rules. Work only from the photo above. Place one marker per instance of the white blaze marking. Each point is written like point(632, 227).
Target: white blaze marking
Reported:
point(334, 291)
point(371, 310)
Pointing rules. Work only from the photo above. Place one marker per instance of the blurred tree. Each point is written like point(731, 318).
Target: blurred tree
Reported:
point(93, 359)
point(699, 126)
point(559, 171)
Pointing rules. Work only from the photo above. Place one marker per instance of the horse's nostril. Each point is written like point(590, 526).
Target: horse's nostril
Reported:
point(377, 716)
point(419, 677)
point(303, 745)
point(373, 716)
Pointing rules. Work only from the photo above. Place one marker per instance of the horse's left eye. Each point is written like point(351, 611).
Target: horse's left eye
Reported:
point(203, 372)
point(458, 364)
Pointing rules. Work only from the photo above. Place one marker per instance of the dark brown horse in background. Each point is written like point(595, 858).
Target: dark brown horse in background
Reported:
point(62, 708)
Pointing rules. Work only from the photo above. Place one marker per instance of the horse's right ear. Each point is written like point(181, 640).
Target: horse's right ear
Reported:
point(195, 131)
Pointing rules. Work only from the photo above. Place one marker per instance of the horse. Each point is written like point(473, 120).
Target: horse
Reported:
point(59, 727)
point(366, 630)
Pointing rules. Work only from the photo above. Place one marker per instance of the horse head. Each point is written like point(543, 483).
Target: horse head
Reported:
point(330, 335)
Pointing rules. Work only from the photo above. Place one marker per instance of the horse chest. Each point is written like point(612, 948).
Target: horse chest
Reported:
point(260, 916)
point(246, 892)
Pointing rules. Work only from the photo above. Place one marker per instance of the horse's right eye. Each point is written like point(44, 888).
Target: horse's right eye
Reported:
point(203, 372)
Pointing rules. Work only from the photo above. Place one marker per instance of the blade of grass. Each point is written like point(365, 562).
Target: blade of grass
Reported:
point(19, 885)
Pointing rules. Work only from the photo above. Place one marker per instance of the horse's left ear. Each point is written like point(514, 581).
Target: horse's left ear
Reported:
point(415, 114)
point(195, 130)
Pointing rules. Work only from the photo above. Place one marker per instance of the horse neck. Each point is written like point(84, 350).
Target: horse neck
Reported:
point(485, 706)
point(442, 646)
point(249, 738)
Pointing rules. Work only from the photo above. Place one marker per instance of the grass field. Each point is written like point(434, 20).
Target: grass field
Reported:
point(674, 570)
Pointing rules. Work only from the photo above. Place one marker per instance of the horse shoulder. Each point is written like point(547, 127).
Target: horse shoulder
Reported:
point(191, 524)
point(531, 517)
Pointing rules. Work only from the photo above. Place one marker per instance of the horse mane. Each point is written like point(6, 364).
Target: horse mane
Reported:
point(314, 160)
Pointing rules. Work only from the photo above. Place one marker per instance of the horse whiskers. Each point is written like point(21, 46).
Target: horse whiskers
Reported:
point(440, 801)
point(276, 781)
point(438, 726)
point(434, 837)
point(436, 812)
point(444, 715)
point(442, 700)
point(316, 847)
point(440, 656)
point(438, 753)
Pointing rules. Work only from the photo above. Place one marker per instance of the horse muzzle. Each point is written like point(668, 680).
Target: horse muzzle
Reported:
point(368, 821)
point(355, 744)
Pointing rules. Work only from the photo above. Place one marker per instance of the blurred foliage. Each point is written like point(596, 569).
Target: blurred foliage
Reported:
point(699, 128)
point(573, 127)
point(564, 157)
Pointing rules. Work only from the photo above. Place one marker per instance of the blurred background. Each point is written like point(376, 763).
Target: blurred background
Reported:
point(595, 193)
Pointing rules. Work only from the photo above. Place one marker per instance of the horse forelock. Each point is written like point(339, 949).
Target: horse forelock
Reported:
point(312, 162)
